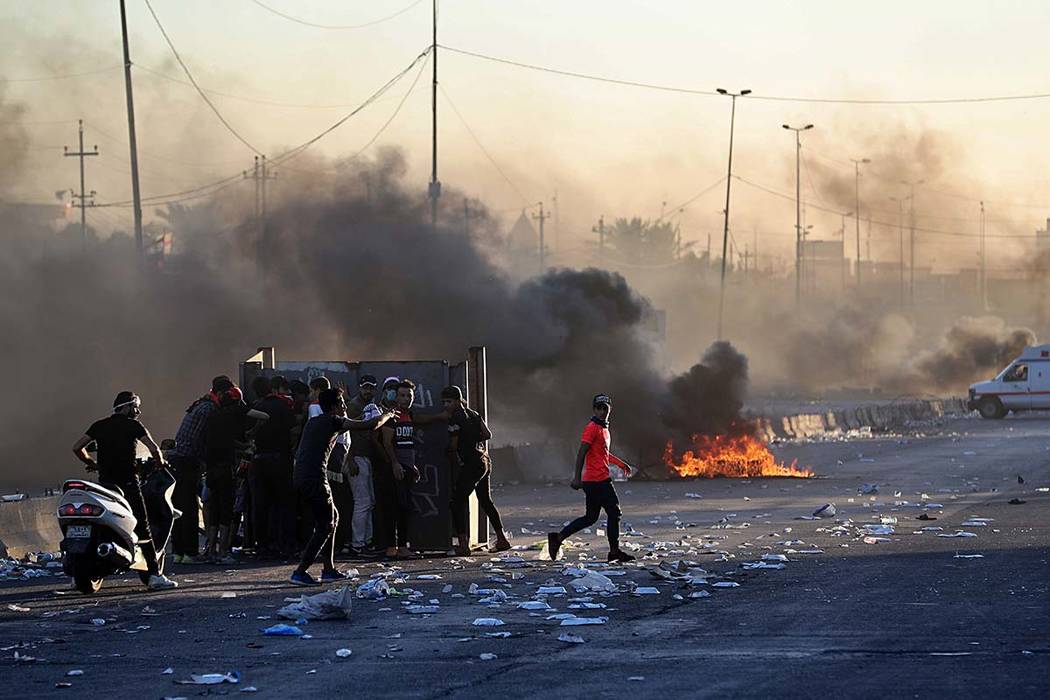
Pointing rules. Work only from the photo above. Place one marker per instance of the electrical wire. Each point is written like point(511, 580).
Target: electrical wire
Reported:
point(692, 199)
point(481, 146)
point(60, 77)
point(893, 225)
point(253, 100)
point(201, 92)
point(315, 25)
point(218, 185)
point(752, 96)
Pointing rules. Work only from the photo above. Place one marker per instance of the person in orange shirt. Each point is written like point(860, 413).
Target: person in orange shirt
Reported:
point(592, 475)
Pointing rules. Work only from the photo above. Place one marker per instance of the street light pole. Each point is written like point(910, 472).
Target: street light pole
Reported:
point(798, 211)
point(729, 182)
point(900, 223)
point(856, 193)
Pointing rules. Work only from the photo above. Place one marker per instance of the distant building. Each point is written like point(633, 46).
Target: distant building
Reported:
point(824, 266)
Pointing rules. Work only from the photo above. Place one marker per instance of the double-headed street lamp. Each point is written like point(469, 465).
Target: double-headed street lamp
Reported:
point(729, 182)
point(798, 210)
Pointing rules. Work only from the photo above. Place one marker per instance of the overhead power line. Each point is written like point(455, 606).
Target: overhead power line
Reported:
point(698, 195)
point(213, 187)
point(753, 95)
point(44, 78)
point(889, 224)
point(201, 92)
point(315, 25)
point(481, 146)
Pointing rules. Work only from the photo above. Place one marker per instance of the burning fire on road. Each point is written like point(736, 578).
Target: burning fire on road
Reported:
point(736, 454)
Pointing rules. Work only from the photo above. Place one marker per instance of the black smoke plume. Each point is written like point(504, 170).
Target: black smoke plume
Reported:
point(344, 268)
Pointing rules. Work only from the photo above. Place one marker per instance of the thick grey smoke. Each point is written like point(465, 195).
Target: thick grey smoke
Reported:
point(971, 350)
point(343, 269)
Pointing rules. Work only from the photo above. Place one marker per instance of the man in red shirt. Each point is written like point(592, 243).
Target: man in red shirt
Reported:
point(592, 475)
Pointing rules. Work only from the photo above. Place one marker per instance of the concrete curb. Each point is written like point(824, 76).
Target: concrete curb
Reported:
point(29, 526)
point(875, 416)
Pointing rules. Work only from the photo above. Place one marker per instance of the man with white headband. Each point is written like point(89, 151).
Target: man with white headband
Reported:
point(115, 439)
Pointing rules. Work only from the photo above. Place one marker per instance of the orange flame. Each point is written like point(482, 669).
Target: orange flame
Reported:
point(731, 455)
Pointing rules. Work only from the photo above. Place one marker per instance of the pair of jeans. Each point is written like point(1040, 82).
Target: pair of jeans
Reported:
point(341, 494)
point(273, 502)
point(221, 493)
point(473, 478)
point(600, 495)
point(363, 490)
point(185, 534)
point(317, 497)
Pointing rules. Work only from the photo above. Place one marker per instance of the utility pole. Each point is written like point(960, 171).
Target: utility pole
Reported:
point(911, 243)
point(260, 175)
point(900, 224)
point(798, 210)
point(983, 277)
point(729, 182)
point(557, 225)
point(434, 190)
point(83, 196)
point(856, 192)
point(136, 195)
point(541, 217)
point(600, 230)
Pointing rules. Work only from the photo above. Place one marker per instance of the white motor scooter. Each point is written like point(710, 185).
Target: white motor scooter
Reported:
point(98, 529)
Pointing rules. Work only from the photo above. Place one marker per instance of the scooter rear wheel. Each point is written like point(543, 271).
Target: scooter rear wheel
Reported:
point(86, 580)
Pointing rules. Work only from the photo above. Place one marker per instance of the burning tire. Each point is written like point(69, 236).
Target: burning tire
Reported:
point(991, 408)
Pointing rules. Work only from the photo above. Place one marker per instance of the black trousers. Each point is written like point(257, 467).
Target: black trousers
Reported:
point(473, 477)
point(133, 493)
point(600, 495)
point(185, 535)
point(317, 496)
point(341, 496)
point(393, 505)
point(221, 492)
point(273, 502)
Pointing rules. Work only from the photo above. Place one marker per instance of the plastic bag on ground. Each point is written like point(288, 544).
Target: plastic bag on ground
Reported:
point(374, 589)
point(593, 581)
point(329, 605)
point(283, 630)
point(213, 678)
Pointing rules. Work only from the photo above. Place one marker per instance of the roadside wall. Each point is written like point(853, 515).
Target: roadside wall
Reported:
point(886, 416)
point(29, 526)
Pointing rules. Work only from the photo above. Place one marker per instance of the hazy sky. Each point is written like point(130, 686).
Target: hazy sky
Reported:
point(607, 149)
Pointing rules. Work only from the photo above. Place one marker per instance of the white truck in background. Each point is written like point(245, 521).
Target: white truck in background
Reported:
point(1023, 386)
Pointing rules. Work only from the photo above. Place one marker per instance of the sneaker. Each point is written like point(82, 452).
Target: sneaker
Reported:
point(332, 575)
point(619, 555)
point(161, 583)
point(303, 579)
point(362, 553)
point(553, 544)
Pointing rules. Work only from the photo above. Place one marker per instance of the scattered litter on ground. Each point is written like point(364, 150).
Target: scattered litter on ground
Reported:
point(282, 630)
point(578, 621)
point(168, 671)
point(726, 584)
point(957, 533)
point(329, 605)
point(969, 556)
point(570, 638)
point(374, 589)
point(487, 657)
point(1016, 502)
point(233, 677)
point(75, 672)
point(646, 590)
point(343, 653)
point(487, 622)
point(827, 510)
point(593, 581)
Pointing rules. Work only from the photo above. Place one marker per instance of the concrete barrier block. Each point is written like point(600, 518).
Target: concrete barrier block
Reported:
point(29, 526)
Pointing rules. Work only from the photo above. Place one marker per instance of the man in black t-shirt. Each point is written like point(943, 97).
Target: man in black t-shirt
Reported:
point(311, 481)
point(224, 436)
point(273, 496)
point(468, 434)
point(115, 440)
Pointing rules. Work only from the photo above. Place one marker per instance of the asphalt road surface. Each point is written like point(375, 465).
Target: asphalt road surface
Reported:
point(907, 614)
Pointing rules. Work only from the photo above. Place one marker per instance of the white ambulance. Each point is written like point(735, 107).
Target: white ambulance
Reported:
point(1023, 386)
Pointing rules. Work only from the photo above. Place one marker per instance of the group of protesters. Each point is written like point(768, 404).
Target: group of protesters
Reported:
point(301, 473)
